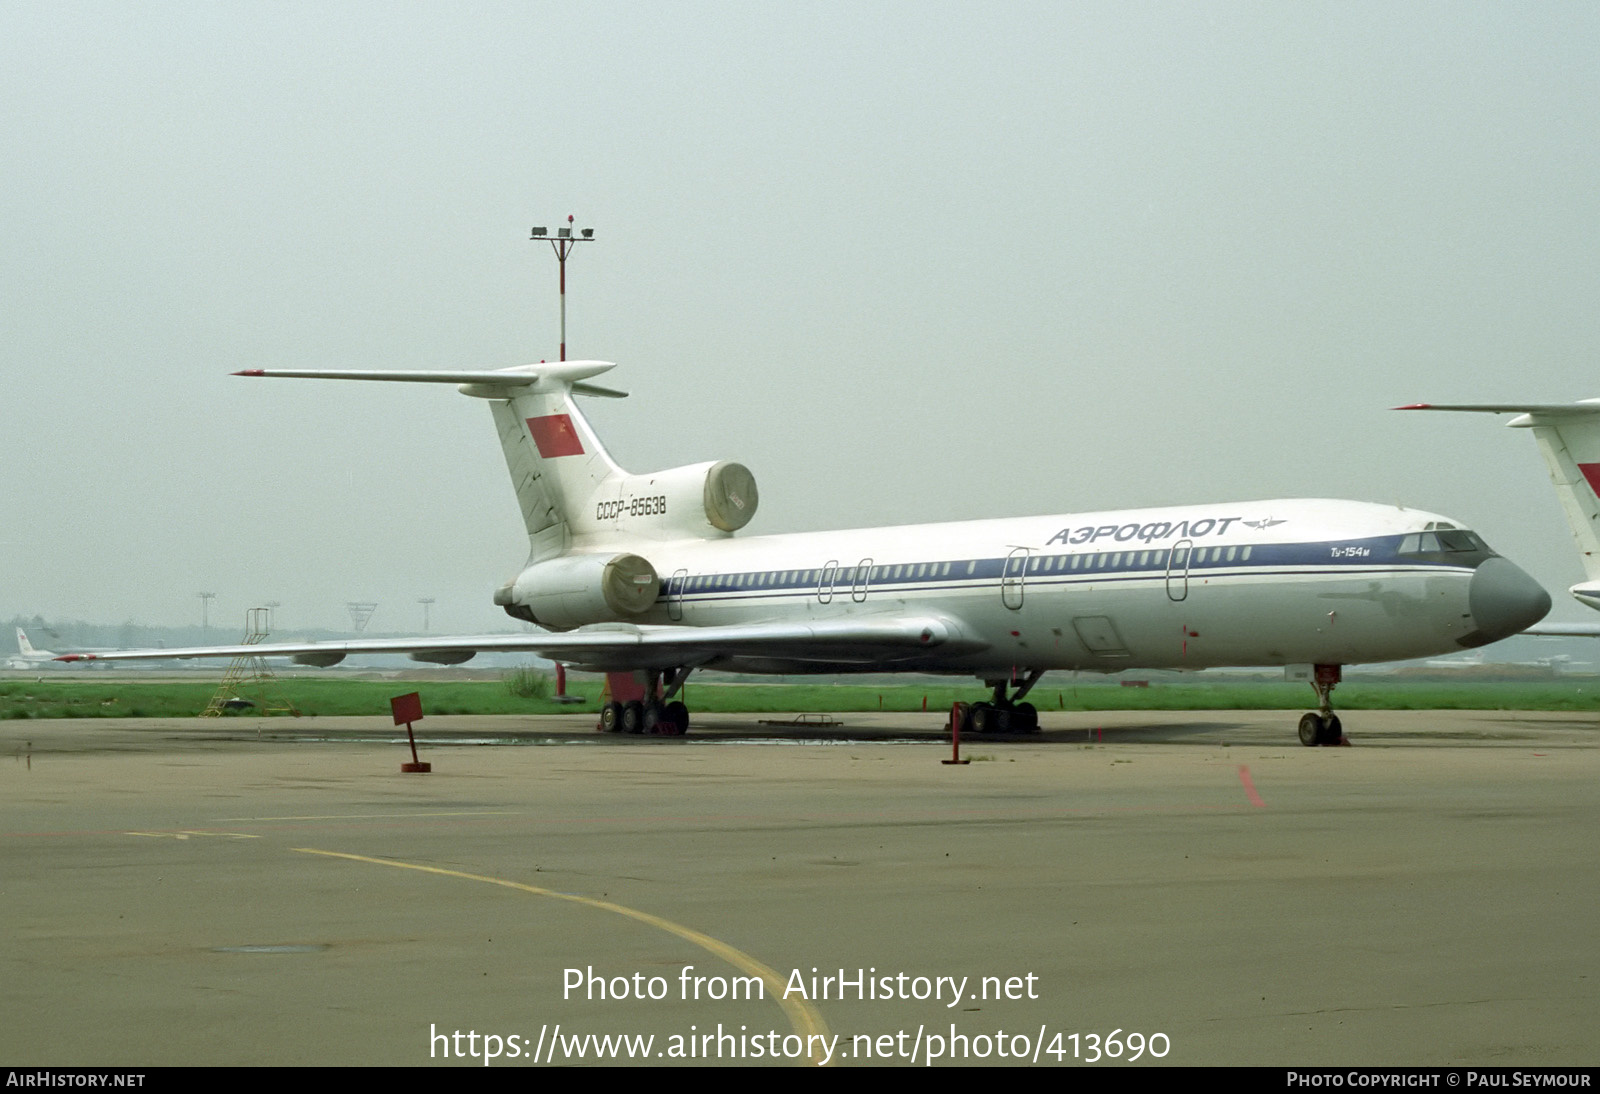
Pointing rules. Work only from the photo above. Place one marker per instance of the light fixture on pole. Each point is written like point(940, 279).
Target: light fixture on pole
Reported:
point(562, 243)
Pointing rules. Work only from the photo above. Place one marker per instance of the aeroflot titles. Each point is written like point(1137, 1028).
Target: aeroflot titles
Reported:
point(1144, 533)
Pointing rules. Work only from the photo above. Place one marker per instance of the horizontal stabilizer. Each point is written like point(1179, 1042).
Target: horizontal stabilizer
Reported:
point(596, 389)
point(1579, 409)
point(572, 374)
point(415, 376)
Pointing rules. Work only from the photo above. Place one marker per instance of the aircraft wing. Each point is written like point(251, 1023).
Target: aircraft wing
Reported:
point(1565, 630)
point(863, 640)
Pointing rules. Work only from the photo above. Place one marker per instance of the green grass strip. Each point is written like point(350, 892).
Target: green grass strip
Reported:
point(23, 699)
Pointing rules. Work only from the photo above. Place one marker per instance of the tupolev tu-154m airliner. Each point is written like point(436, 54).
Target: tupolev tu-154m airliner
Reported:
point(643, 574)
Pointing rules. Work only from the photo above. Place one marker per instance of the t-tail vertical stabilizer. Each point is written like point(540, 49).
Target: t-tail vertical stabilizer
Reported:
point(580, 509)
point(563, 475)
point(1569, 436)
point(556, 461)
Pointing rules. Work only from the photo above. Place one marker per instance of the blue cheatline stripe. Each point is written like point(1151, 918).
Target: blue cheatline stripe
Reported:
point(1374, 555)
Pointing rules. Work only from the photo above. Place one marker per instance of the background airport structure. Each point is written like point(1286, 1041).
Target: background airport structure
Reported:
point(179, 895)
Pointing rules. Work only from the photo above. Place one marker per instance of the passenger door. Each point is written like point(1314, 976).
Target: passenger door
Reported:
point(1013, 575)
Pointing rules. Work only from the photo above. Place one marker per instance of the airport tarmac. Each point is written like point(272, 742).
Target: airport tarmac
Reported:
point(276, 892)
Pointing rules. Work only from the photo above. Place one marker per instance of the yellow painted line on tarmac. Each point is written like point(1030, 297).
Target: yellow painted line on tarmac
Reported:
point(806, 1019)
point(379, 816)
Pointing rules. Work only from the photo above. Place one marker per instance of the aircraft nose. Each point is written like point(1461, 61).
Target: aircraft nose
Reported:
point(1503, 600)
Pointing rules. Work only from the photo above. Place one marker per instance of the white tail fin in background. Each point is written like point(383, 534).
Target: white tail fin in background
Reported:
point(1569, 436)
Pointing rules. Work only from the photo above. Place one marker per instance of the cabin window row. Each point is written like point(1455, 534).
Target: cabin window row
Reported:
point(846, 576)
point(1116, 560)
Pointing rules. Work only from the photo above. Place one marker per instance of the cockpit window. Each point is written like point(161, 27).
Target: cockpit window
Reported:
point(1446, 544)
point(1461, 541)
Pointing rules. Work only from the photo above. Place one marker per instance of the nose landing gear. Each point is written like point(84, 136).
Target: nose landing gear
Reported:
point(1322, 727)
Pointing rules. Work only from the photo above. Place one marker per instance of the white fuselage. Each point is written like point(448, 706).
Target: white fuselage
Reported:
point(39, 660)
point(27, 658)
point(1255, 583)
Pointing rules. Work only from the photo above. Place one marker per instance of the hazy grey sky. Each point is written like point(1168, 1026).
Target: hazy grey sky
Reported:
point(907, 262)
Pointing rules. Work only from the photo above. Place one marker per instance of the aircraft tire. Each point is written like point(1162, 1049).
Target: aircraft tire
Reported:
point(1332, 730)
point(1311, 730)
point(983, 720)
point(611, 718)
point(633, 717)
point(1025, 718)
point(651, 722)
point(677, 715)
point(963, 711)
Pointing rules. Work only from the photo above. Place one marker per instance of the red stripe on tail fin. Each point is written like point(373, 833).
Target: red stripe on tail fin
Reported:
point(1591, 473)
point(554, 436)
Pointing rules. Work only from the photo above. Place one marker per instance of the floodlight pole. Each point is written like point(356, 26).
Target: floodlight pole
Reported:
point(562, 243)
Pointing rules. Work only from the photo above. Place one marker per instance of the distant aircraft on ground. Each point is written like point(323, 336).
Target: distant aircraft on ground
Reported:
point(1474, 660)
point(642, 574)
point(27, 657)
point(1569, 436)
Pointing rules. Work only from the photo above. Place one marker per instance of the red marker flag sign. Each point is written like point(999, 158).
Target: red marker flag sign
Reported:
point(407, 708)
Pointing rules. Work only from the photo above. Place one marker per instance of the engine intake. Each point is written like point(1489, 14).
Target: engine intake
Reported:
point(730, 496)
point(706, 500)
point(561, 593)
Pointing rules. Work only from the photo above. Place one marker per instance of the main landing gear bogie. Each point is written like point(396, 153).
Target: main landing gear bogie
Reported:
point(655, 717)
point(1001, 718)
point(662, 716)
point(1004, 713)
